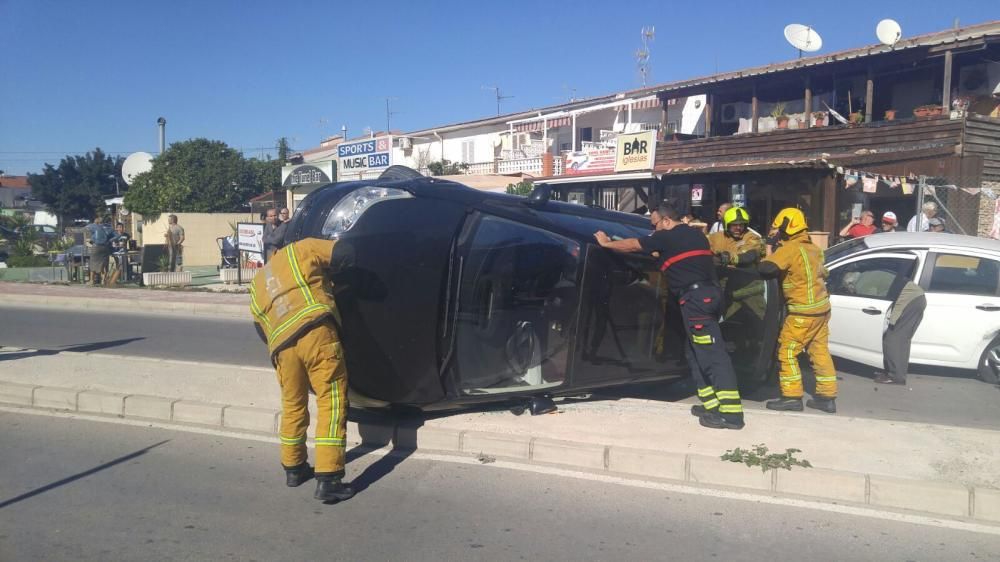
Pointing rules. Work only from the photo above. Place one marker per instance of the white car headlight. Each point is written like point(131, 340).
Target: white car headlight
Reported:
point(348, 210)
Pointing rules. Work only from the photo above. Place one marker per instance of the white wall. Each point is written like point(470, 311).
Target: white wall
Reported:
point(484, 140)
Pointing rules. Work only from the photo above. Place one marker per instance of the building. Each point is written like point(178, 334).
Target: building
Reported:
point(15, 192)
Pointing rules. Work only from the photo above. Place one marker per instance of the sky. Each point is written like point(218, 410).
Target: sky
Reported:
point(79, 75)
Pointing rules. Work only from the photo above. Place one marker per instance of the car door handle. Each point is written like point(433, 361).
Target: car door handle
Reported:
point(871, 310)
point(989, 307)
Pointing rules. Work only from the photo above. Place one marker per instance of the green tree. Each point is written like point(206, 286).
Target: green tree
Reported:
point(77, 187)
point(197, 176)
point(522, 188)
point(283, 151)
point(447, 168)
point(265, 174)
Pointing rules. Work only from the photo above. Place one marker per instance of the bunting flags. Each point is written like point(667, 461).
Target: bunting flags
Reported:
point(868, 182)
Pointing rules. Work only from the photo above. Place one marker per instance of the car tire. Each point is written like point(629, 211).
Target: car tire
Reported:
point(989, 363)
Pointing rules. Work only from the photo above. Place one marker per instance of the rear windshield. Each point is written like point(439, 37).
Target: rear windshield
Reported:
point(843, 249)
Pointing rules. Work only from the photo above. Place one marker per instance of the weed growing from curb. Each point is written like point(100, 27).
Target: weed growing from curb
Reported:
point(758, 456)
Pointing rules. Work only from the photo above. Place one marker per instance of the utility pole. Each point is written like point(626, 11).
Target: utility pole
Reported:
point(496, 91)
point(388, 114)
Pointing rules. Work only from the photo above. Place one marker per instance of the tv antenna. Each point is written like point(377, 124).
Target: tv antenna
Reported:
point(388, 114)
point(888, 32)
point(642, 54)
point(803, 38)
point(496, 91)
point(572, 90)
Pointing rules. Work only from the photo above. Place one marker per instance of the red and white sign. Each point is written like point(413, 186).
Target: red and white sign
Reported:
point(590, 161)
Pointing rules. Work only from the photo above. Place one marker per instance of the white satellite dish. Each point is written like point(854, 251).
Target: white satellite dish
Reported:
point(888, 32)
point(135, 164)
point(803, 38)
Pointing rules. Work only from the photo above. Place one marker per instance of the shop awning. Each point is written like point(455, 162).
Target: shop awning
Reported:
point(742, 166)
point(539, 125)
point(581, 178)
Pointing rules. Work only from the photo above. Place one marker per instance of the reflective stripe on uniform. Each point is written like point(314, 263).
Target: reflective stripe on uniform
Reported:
point(703, 340)
point(713, 403)
point(805, 307)
point(293, 263)
point(293, 440)
point(809, 275)
point(728, 394)
point(826, 379)
point(334, 407)
point(793, 363)
point(731, 409)
point(298, 316)
point(706, 391)
point(257, 311)
point(330, 442)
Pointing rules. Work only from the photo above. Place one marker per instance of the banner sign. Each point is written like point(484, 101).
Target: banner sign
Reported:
point(369, 155)
point(315, 173)
point(635, 152)
point(250, 237)
point(589, 161)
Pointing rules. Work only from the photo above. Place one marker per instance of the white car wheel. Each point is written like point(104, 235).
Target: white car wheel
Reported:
point(989, 364)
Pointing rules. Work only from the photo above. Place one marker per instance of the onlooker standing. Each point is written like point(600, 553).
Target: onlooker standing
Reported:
point(98, 247)
point(174, 241)
point(718, 225)
point(278, 239)
point(936, 224)
point(907, 312)
point(930, 209)
point(861, 226)
point(270, 225)
point(889, 222)
point(121, 238)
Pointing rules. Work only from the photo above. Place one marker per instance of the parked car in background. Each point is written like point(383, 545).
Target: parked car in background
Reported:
point(961, 278)
point(44, 232)
point(450, 296)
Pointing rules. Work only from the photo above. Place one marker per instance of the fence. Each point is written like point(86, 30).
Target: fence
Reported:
point(972, 211)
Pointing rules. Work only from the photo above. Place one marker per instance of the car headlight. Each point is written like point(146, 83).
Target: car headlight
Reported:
point(348, 210)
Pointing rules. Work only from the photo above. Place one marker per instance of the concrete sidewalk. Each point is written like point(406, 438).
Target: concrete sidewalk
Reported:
point(130, 299)
point(935, 469)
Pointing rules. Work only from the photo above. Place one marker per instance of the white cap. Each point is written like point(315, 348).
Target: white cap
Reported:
point(890, 216)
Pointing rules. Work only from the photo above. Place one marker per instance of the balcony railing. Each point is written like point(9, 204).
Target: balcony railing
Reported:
point(528, 166)
point(482, 168)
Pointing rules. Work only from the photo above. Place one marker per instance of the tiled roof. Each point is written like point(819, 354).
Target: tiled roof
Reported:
point(15, 182)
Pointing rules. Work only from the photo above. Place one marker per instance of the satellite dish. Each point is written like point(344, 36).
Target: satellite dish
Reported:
point(135, 164)
point(803, 38)
point(888, 32)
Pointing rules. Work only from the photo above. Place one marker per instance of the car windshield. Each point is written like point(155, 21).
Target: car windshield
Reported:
point(845, 249)
point(587, 226)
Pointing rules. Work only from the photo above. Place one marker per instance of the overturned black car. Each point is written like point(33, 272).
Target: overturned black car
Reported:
point(452, 297)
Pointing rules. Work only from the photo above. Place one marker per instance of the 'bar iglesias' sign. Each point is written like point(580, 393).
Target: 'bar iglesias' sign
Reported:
point(316, 173)
point(635, 151)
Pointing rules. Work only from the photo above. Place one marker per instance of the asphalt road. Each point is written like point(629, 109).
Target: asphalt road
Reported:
point(72, 489)
point(937, 396)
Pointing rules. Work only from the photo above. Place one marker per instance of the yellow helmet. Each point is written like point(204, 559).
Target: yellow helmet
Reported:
point(790, 221)
point(735, 215)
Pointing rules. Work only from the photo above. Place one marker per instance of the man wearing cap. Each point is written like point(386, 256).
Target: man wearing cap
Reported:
point(889, 222)
point(935, 224)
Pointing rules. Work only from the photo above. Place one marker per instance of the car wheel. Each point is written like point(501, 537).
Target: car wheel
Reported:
point(989, 363)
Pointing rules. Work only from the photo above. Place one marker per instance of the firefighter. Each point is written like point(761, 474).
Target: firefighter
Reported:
point(736, 245)
point(687, 263)
point(799, 264)
point(295, 315)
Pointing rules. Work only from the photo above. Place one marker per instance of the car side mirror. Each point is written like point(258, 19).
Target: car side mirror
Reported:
point(539, 196)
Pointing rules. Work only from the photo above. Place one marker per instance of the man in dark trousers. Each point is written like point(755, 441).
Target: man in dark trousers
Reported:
point(688, 264)
point(907, 312)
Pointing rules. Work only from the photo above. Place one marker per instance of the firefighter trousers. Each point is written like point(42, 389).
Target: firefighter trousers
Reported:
point(706, 353)
point(314, 361)
point(810, 334)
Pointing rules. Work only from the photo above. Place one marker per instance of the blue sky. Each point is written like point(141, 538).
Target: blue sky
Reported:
point(77, 75)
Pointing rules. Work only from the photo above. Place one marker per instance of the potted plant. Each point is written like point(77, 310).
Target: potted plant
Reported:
point(857, 118)
point(928, 110)
point(819, 118)
point(890, 114)
point(779, 115)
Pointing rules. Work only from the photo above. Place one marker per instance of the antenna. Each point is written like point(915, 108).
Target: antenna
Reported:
point(888, 32)
point(572, 97)
point(388, 114)
point(642, 54)
point(803, 38)
point(496, 90)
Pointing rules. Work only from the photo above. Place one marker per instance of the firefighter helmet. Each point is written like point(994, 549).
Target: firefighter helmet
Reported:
point(735, 215)
point(790, 221)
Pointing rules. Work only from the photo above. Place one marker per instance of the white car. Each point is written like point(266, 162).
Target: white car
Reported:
point(961, 278)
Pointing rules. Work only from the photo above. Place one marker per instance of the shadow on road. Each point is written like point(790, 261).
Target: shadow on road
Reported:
point(374, 436)
point(79, 348)
point(80, 475)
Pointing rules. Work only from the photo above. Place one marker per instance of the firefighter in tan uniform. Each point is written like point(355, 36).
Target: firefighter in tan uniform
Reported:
point(295, 314)
point(799, 264)
point(736, 245)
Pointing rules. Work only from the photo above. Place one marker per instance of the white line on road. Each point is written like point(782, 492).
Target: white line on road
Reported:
point(914, 519)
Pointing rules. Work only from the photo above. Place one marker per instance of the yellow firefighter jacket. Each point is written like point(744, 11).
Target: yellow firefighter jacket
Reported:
point(745, 251)
point(799, 264)
point(288, 295)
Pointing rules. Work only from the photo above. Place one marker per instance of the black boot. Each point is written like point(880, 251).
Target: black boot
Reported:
point(298, 475)
point(698, 410)
point(333, 490)
point(715, 420)
point(827, 405)
point(786, 404)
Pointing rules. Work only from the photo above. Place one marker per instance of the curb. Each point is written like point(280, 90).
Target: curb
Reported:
point(130, 305)
point(876, 491)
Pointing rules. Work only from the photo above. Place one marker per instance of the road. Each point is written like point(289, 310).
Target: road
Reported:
point(933, 396)
point(85, 490)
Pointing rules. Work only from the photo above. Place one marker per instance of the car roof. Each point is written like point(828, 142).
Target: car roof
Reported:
point(930, 239)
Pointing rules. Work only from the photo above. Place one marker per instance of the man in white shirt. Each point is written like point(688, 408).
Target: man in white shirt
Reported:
point(930, 209)
point(717, 226)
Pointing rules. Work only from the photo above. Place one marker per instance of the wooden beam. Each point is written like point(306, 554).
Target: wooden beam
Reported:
point(946, 86)
point(869, 95)
point(755, 110)
point(708, 115)
point(828, 186)
point(808, 103)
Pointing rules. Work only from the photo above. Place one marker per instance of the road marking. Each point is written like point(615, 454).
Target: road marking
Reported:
point(115, 357)
point(858, 511)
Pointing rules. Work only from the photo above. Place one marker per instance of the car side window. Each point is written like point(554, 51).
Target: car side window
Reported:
point(871, 278)
point(968, 275)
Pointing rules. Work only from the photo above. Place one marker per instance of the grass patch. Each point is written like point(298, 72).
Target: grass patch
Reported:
point(759, 455)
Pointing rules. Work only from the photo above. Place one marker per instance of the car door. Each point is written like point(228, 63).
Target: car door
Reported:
point(860, 298)
point(963, 308)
